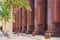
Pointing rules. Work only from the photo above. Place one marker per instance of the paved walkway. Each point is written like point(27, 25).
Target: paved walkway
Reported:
point(25, 37)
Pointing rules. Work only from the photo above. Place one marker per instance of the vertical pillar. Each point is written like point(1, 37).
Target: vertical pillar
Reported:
point(24, 20)
point(17, 25)
point(54, 29)
point(39, 27)
point(17, 19)
point(20, 19)
point(30, 18)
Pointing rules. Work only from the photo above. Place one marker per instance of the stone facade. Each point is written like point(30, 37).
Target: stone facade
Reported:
point(35, 22)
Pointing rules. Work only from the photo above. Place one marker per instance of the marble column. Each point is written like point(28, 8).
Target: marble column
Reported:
point(20, 19)
point(30, 18)
point(39, 18)
point(54, 29)
point(17, 19)
point(24, 20)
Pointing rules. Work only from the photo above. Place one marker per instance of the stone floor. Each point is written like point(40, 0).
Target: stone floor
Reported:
point(26, 37)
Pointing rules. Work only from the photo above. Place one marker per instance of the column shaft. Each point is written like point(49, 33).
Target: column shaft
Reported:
point(20, 19)
point(17, 19)
point(24, 20)
point(39, 18)
point(53, 30)
point(30, 17)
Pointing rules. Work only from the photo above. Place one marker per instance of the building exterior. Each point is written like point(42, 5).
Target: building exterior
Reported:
point(36, 22)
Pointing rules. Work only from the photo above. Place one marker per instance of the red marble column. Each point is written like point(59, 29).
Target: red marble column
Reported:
point(20, 19)
point(24, 20)
point(54, 29)
point(17, 19)
point(14, 24)
point(39, 16)
point(17, 25)
point(30, 18)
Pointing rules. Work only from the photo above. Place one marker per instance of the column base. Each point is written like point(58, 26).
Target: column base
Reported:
point(53, 31)
point(24, 29)
point(16, 30)
point(52, 34)
point(57, 29)
point(48, 34)
point(29, 32)
point(37, 33)
point(30, 29)
point(20, 29)
point(39, 30)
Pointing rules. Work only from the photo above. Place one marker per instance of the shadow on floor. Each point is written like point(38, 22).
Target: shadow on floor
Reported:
point(2, 35)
